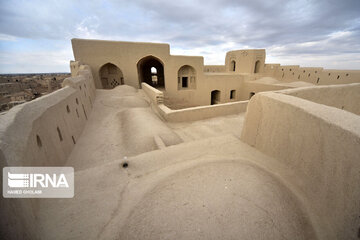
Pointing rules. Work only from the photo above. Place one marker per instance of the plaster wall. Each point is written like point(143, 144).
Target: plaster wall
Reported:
point(202, 112)
point(245, 60)
point(318, 76)
point(345, 97)
point(126, 55)
point(214, 68)
point(305, 136)
point(42, 132)
point(253, 87)
point(192, 113)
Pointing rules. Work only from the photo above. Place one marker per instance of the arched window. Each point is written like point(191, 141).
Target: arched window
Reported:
point(257, 66)
point(186, 77)
point(233, 66)
point(111, 76)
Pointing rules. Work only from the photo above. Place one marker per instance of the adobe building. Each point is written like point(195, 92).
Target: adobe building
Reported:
point(165, 147)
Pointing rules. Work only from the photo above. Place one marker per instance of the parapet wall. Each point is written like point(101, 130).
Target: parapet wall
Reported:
point(321, 145)
point(42, 132)
point(312, 75)
point(192, 113)
point(345, 97)
point(214, 68)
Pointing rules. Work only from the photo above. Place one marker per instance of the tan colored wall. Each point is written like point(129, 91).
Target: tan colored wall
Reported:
point(253, 87)
point(126, 55)
point(345, 97)
point(214, 68)
point(321, 145)
point(187, 97)
point(245, 60)
point(193, 113)
point(202, 112)
point(74, 68)
point(155, 96)
point(318, 76)
point(19, 146)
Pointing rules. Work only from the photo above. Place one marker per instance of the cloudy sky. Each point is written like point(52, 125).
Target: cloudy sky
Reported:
point(35, 34)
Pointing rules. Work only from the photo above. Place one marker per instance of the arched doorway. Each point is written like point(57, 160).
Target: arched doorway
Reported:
point(111, 76)
point(215, 97)
point(151, 71)
point(257, 66)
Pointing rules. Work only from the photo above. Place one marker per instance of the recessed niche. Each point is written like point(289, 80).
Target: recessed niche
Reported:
point(38, 141)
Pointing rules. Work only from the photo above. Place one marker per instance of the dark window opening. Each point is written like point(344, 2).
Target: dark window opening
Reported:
point(257, 67)
point(215, 97)
point(38, 141)
point(233, 66)
point(232, 94)
point(184, 82)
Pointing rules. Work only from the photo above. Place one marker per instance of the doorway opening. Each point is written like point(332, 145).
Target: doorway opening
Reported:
point(151, 71)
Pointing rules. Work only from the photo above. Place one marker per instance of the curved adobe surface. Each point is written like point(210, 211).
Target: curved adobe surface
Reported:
point(218, 200)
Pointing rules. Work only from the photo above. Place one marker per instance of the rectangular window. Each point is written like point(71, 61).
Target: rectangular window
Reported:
point(184, 82)
point(232, 94)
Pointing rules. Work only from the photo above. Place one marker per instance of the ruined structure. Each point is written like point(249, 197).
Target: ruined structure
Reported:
point(167, 148)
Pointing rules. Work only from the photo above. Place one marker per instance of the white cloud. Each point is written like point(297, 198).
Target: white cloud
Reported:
point(36, 62)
